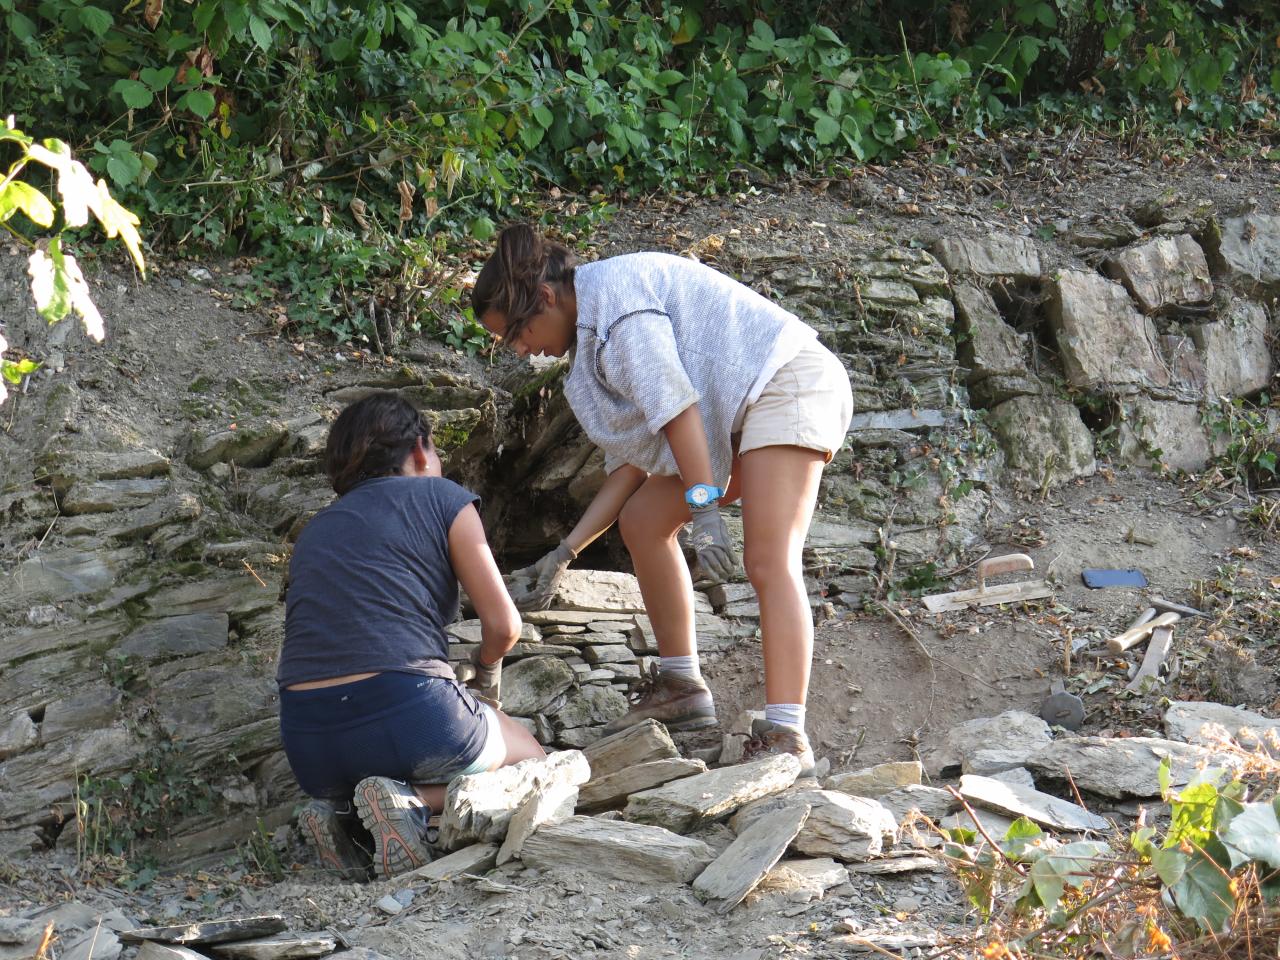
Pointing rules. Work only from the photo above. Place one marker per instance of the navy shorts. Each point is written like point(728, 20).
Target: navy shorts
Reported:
point(406, 726)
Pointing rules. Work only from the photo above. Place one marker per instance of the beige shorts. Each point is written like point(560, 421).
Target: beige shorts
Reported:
point(808, 403)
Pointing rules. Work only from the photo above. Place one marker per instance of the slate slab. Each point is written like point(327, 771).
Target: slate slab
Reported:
point(755, 851)
point(209, 931)
point(1016, 801)
point(289, 946)
point(629, 852)
point(685, 804)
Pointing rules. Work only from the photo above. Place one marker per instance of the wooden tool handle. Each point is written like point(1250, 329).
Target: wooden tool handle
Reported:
point(1009, 563)
point(1135, 635)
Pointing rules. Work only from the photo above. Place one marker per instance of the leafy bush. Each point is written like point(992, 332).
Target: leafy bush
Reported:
point(337, 142)
point(1209, 880)
point(25, 211)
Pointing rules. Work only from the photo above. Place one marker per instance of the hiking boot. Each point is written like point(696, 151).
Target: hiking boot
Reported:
point(675, 702)
point(400, 823)
point(340, 841)
point(768, 739)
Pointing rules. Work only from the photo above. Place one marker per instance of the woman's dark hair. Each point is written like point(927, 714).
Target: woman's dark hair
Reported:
point(371, 438)
point(511, 279)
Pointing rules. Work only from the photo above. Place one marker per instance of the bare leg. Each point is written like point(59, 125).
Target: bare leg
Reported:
point(521, 745)
point(649, 524)
point(779, 491)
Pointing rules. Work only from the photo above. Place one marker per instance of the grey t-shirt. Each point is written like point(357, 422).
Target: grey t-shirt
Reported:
point(657, 333)
point(371, 586)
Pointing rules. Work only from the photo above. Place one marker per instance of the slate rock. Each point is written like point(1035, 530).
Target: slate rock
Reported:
point(533, 684)
point(176, 637)
point(1044, 440)
point(99, 943)
point(1248, 251)
point(590, 706)
point(92, 705)
point(1236, 357)
point(847, 828)
point(18, 735)
point(209, 931)
point(688, 803)
point(877, 780)
point(1016, 801)
point(289, 946)
point(1208, 723)
point(1163, 431)
point(250, 444)
point(755, 851)
point(476, 858)
point(933, 802)
point(805, 879)
point(637, 744)
point(1163, 273)
point(615, 788)
point(479, 808)
point(1015, 734)
point(997, 255)
point(106, 496)
point(628, 852)
point(1121, 767)
point(1102, 338)
point(152, 950)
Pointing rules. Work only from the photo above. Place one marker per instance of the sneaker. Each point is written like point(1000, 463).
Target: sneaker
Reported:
point(335, 831)
point(675, 702)
point(768, 739)
point(400, 823)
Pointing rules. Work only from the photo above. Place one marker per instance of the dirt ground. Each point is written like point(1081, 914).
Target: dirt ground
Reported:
point(876, 693)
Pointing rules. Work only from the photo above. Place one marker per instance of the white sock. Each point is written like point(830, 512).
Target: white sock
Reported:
point(686, 668)
point(785, 715)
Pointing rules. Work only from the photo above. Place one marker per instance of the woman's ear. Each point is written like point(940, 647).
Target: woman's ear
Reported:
point(420, 458)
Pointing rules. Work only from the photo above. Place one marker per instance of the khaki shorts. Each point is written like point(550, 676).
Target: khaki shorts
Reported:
point(808, 403)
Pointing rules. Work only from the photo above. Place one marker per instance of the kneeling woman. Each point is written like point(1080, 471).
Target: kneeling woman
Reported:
point(369, 707)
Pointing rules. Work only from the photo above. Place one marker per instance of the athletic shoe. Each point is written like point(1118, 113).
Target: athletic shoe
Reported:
point(768, 739)
point(335, 832)
point(399, 822)
point(673, 701)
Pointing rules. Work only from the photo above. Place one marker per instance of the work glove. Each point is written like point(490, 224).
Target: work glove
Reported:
point(483, 679)
point(710, 541)
point(545, 574)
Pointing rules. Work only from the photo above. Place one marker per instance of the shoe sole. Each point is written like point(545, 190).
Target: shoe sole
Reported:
point(394, 853)
point(336, 851)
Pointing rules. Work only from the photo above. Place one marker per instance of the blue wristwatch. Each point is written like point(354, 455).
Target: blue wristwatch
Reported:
point(702, 495)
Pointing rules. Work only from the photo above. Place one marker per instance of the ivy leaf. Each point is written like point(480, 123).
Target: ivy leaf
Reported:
point(22, 196)
point(1169, 865)
point(1203, 893)
point(1256, 833)
point(136, 95)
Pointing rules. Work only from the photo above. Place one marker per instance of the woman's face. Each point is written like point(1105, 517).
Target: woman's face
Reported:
point(550, 332)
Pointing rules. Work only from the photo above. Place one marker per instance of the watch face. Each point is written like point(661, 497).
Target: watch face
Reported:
point(700, 495)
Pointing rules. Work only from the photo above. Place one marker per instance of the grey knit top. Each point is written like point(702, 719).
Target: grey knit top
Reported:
point(657, 333)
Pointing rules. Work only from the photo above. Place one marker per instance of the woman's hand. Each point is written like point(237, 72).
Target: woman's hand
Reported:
point(710, 540)
point(485, 679)
point(545, 574)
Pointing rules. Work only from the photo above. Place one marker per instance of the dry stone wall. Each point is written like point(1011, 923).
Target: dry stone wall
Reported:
point(140, 606)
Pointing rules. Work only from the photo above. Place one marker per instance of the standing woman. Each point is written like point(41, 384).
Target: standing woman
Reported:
point(369, 706)
point(699, 391)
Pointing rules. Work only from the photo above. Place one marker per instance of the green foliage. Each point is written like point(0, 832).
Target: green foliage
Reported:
point(1208, 871)
point(337, 141)
point(26, 213)
point(1251, 443)
point(115, 816)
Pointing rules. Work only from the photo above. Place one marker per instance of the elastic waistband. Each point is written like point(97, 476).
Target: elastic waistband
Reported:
point(355, 702)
